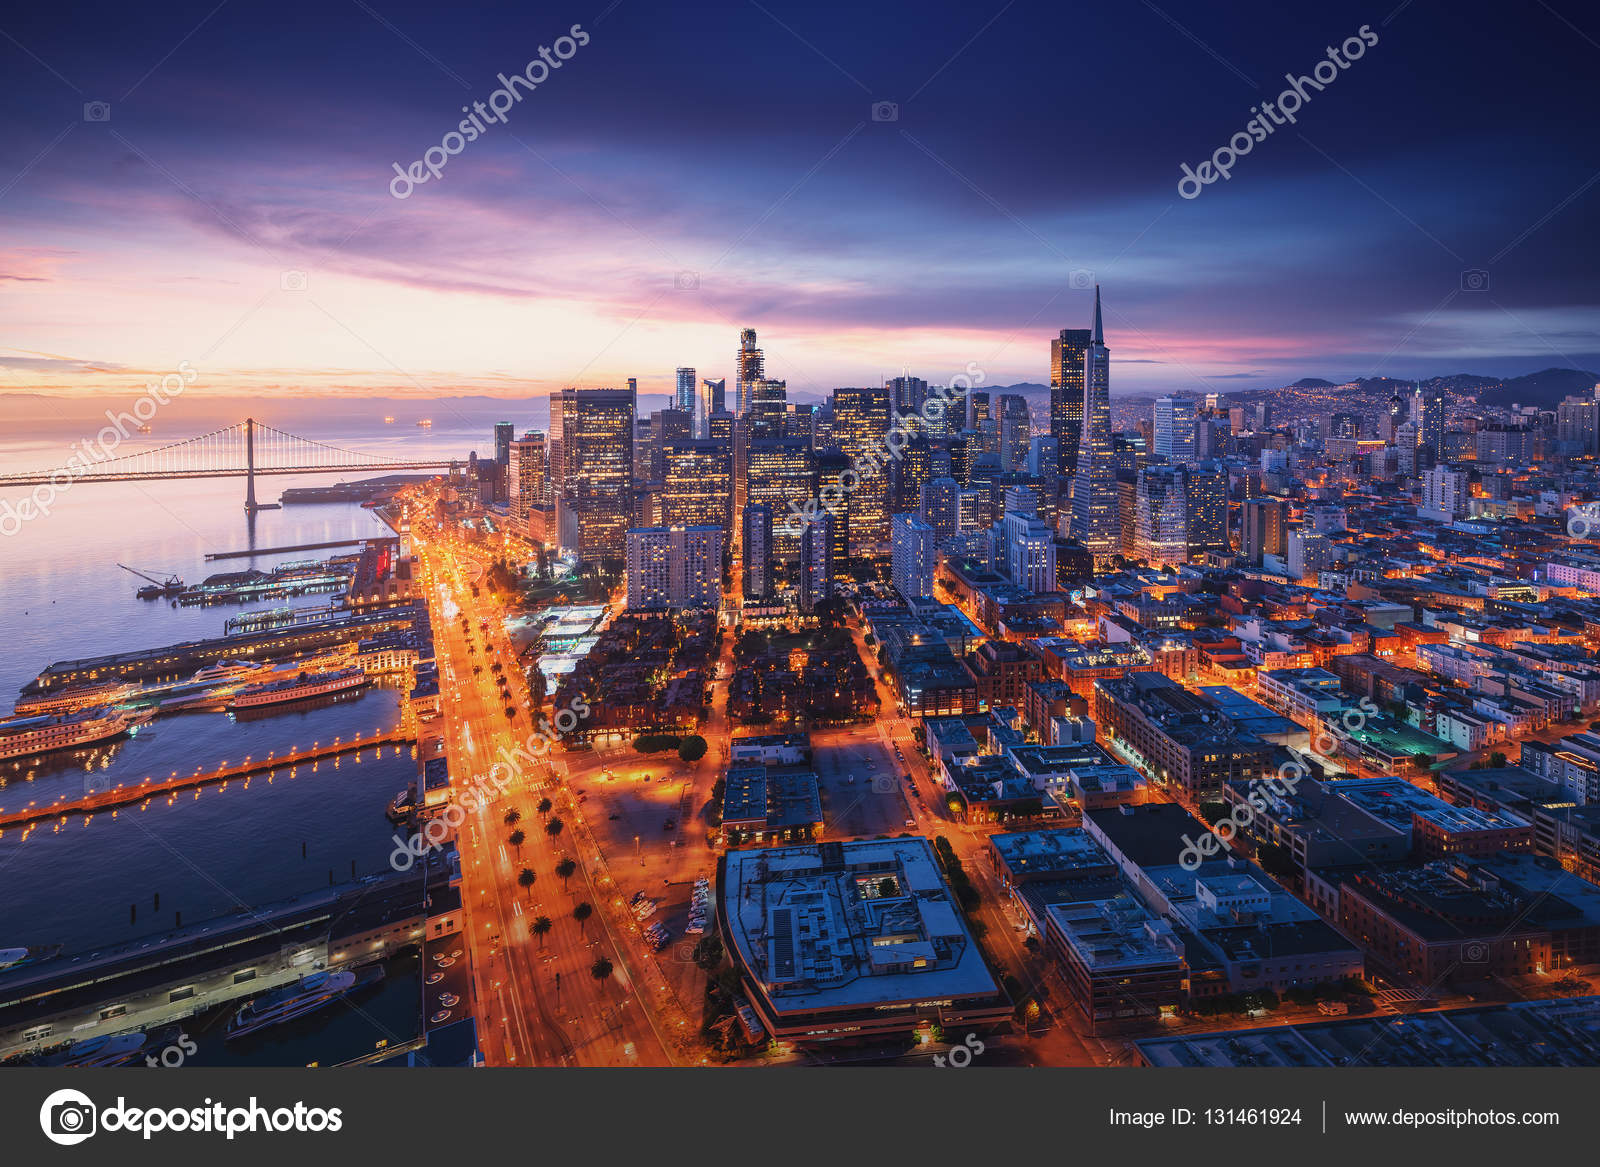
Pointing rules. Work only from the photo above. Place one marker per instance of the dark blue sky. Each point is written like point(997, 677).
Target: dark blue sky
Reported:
point(697, 168)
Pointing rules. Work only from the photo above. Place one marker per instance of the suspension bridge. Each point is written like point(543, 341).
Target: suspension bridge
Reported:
point(241, 450)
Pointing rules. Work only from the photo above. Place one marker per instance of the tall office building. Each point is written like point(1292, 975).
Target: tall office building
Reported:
point(756, 558)
point(556, 466)
point(1068, 352)
point(1264, 529)
point(525, 473)
point(860, 426)
point(504, 431)
point(816, 579)
point(766, 409)
point(782, 474)
point(910, 472)
point(683, 399)
point(666, 426)
point(1095, 518)
point(941, 506)
point(712, 399)
point(1044, 456)
point(915, 555)
point(719, 427)
point(977, 409)
point(1205, 506)
point(1016, 431)
point(831, 480)
point(1308, 553)
point(1161, 534)
point(1429, 416)
point(749, 367)
point(698, 484)
point(1578, 424)
point(1030, 552)
point(597, 427)
point(907, 395)
point(1174, 429)
point(674, 567)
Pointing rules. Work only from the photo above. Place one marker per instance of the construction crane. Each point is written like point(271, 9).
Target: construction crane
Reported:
point(157, 588)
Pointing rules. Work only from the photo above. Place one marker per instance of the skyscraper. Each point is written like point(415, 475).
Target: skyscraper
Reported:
point(683, 399)
point(1205, 505)
point(1174, 429)
point(817, 575)
point(597, 436)
point(712, 399)
point(1264, 529)
point(860, 425)
point(525, 473)
point(765, 409)
point(749, 367)
point(1429, 416)
point(1067, 355)
point(1095, 519)
point(941, 506)
point(504, 431)
point(1030, 552)
point(698, 478)
point(1015, 431)
point(1161, 536)
point(782, 474)
point(756, 559)
point(914, 557)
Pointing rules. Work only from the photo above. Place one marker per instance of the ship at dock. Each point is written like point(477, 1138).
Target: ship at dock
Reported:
point(312, 992)
point(24, 737)
point(73, 699)
point(299, 687)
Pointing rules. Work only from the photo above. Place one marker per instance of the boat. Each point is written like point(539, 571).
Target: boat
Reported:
point(298, 688)
point(389, 419)
point(11, 958)
point(425, 423)
point(403, 805)
point(22, 737)
point(114, 1049)
point(72, 699)
point(225, 670)
point(312, 992)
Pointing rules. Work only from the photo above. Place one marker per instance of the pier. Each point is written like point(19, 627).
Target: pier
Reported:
point(128, 795)
point(254, 551)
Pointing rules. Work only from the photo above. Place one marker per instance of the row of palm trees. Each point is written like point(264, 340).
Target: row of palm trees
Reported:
point(540, 926)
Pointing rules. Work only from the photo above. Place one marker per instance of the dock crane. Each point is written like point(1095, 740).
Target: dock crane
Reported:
point(156, 588)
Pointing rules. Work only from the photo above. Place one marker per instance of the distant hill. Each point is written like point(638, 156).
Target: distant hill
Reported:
point(1312, 383)
point(1544, 389)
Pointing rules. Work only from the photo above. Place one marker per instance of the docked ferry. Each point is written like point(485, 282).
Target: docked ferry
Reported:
point(22, 737)
point(118, 1049)
point(73, 699)
point(313, 991)
point(297, 688)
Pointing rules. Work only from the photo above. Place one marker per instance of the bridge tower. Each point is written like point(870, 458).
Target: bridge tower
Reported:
point(250, 506)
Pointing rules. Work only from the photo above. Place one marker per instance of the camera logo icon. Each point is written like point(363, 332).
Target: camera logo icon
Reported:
point(1474, 279)
point(292, 281)
point(686, 281)
point(1474, 952)
point(67, 1117)
point(97, 111)
point(885, 111)
point(1080, 279)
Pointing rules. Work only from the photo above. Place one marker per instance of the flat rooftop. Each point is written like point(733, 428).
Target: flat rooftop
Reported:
point(836, 926)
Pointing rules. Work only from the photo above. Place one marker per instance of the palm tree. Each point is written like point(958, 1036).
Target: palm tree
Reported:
point(539, 926)
point(565, 869)
point(600, 970)
point(554, 827)
point(544, 806)
point(513, 817)
point(526, 878)
point(516, 840)
point(581, 913)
